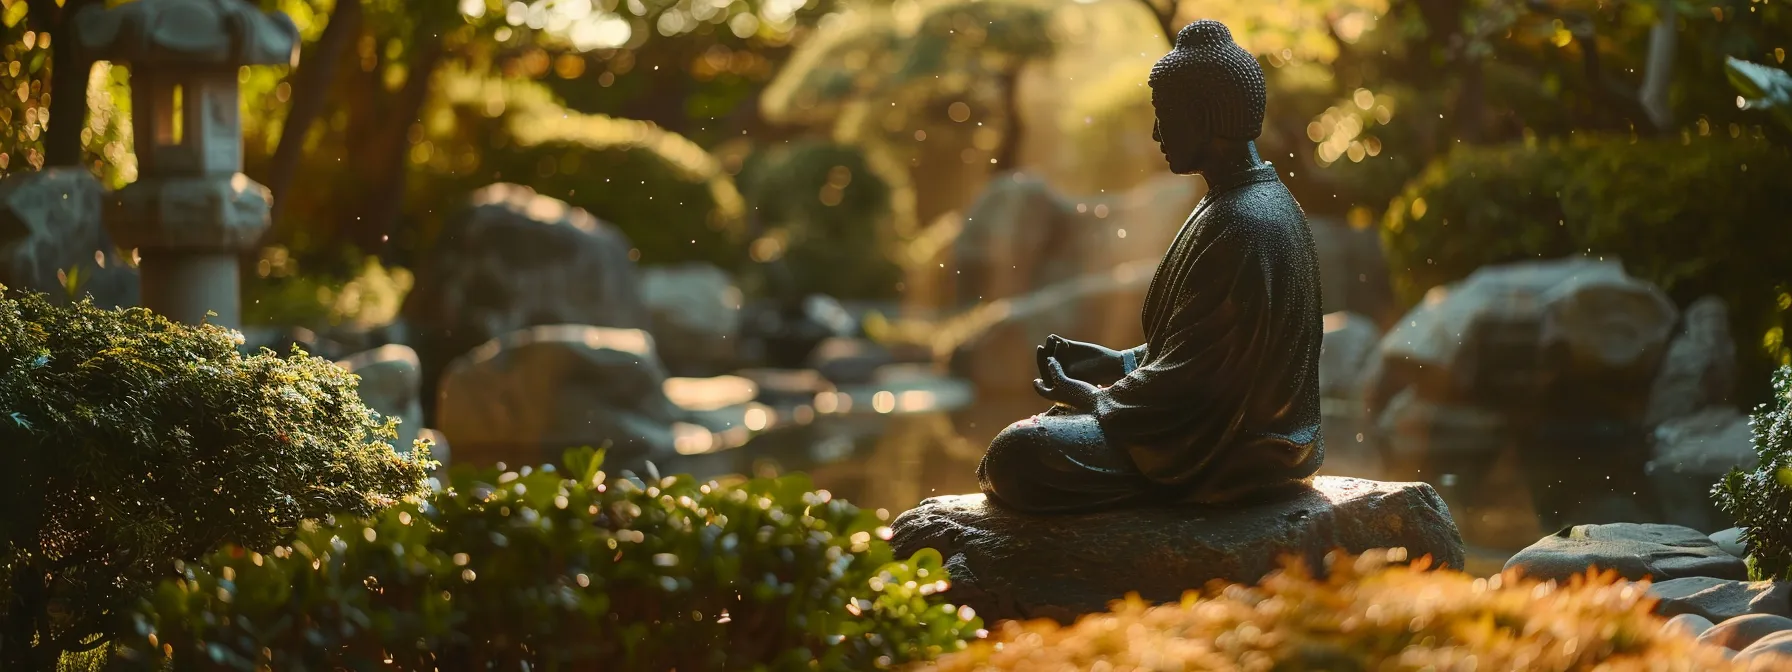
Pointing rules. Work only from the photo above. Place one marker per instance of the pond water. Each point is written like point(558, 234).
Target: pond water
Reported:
point(1504, 493)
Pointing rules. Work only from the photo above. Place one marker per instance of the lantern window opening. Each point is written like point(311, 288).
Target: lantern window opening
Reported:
point(171, 116)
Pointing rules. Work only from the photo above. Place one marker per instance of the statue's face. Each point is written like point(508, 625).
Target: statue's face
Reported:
point(1183, 145)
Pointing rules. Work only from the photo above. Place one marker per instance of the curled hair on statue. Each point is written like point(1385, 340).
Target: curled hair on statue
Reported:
point(1210, 82)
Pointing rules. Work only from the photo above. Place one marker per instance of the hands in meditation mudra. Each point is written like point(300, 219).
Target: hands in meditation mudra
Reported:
point(1221, 402)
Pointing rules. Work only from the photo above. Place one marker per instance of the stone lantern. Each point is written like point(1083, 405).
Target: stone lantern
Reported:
point(191, 212)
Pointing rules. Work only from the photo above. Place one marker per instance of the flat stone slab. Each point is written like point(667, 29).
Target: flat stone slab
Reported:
point(1008, 565)
point(1635, 551)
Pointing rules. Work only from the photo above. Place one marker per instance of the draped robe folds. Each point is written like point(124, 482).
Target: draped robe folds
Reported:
point(1224, 401)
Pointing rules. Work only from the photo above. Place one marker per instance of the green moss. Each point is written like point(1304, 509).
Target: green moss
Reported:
point(132, 442)
point(565, 569)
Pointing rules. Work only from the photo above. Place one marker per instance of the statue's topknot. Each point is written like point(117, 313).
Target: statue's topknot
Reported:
point(1211, 82)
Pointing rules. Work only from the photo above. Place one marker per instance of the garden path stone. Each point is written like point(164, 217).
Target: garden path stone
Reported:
point(1721, 599)
point(1738, 633)
point(1009, 565)
point(1634, 550)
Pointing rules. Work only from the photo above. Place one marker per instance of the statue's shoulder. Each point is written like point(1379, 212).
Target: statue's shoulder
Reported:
point(1266, 206)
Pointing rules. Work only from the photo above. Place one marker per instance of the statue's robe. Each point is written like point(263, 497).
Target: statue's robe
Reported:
point(1224, 401)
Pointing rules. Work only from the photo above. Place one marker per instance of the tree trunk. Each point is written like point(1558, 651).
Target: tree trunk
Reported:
point(1166, 17)
point(68, 82)
point(1471, 104)
point(310, 95)
point(1007, 154)
point(383, 200)
point(1658, 73)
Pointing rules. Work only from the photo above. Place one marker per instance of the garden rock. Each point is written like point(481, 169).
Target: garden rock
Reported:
point(1511, 332)
point(1738, 633)
point(1721, 599)
point(1692, 625)
point(526, 397)
point(1700, 367)
point(512, 260)
point(1731, 541)
point(696, 313)
point(1692, 452)
point(49, 228)
point(1634, 550)
point(391, 384)
point(1344, 352)
point(1767, 653)
point(1007, 565)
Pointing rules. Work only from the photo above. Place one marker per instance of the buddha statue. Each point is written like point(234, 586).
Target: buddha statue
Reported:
point(1221, 402)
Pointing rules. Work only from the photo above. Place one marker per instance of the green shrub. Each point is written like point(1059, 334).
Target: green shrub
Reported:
point(131, 441)
point(532, 569)
point(821, 206)
point(1759, 499)
point(1697, 216)
point(1363, 617)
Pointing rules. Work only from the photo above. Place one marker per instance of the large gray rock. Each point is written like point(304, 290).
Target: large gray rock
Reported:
point(696, 313)
point(1692, 452)
point(1511, 334)
point(1635, 551)
point(516, 259)
point(391, 384)
point(1007, 565)
point(1349, 341)
point(1700, 368)
point(526, 397)
point(51, 236)
point(1721, 599)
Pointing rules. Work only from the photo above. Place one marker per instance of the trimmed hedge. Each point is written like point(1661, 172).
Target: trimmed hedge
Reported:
point(549, 569)
point(1364, 617)
point(1697, 216)
point(1759, 499)
point(131, 441)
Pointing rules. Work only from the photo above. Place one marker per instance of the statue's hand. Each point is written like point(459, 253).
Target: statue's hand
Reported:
point(1059, 387)
point(1086, 362)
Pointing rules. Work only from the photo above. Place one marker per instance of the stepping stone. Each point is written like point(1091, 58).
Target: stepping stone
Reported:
point(1635, 551)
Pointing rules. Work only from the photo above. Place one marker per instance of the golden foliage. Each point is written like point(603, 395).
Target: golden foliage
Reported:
point(1364, 617)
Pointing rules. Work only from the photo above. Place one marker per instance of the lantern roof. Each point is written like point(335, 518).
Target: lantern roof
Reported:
point(187, 32)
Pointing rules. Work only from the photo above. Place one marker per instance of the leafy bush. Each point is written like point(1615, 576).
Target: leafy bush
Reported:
point(1697, 216)
point(1362, 618)
point(131, 441)
point(543, 569)
point(1759, 499)
point(821, 207)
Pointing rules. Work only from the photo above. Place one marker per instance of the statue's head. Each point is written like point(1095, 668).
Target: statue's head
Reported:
point(1206, 89)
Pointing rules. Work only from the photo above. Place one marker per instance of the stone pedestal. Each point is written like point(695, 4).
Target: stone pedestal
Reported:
point(189, 231)
point(1007, 565)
